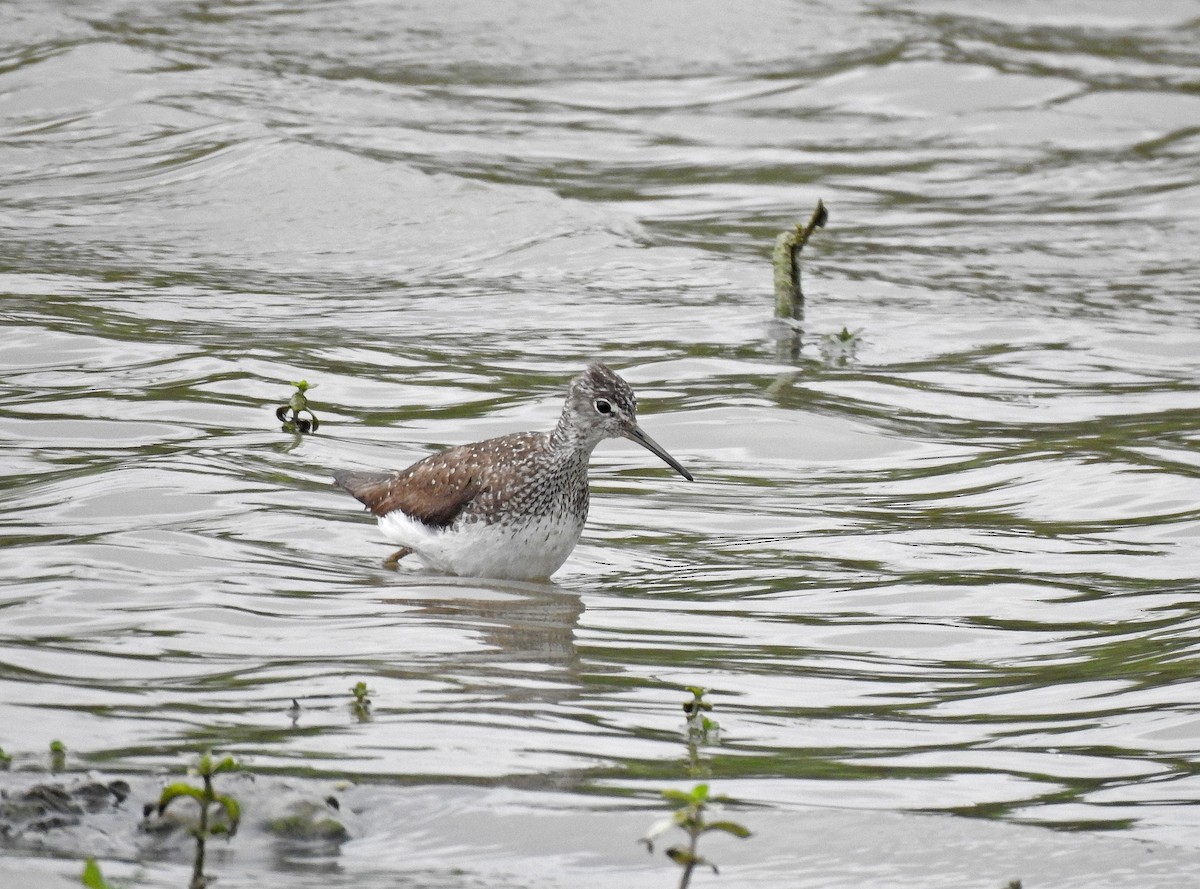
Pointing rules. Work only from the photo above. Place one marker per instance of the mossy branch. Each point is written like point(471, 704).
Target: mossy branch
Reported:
point(786, 259)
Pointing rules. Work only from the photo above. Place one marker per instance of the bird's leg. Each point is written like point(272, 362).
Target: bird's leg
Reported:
point(394, 559)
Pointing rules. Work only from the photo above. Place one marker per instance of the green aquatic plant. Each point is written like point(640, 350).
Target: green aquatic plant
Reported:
point(58, 756)
point(840, 348)
point(701, 729)
point(219, 813)
point(696, 711)
point(290, 414)
point(361, 705)
point(5, 759)
point(691, 816)
point(92, 877)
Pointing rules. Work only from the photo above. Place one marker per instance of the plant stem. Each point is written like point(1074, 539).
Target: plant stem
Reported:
point(198, 881)
point(693, 836)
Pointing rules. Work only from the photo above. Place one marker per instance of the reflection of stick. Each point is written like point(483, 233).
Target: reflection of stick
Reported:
point(786, 259)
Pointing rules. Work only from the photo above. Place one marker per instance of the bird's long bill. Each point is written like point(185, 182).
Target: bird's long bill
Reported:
point(636, 434)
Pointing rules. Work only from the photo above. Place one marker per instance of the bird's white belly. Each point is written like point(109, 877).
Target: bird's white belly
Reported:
point(530, 550)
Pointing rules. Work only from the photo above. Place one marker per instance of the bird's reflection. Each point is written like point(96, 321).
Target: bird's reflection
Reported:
point(521, 625)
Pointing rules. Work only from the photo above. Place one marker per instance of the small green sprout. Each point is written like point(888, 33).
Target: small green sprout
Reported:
point(690, 816)
point(840, 348)
point(219, 813)
point(297, 405)
point(5, 759)
point(58, 756)
point(701, 730)
point(362, 704)
point(92, 878)
point(695, 710)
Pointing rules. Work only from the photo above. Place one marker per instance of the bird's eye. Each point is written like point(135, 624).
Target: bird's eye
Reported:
point(603, 406)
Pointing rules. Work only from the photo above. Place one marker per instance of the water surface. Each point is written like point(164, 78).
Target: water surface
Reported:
point(941, 586)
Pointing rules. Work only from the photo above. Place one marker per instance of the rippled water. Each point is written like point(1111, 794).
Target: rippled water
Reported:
point(952, 570)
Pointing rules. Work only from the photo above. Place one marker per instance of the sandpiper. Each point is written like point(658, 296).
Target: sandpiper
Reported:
point(510, 507)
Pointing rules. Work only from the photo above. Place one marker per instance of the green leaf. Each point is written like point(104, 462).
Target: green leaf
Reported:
point(732, 827)
point(659, 827)
point(677, 796)
point(228, 764)
point(233, 810)
point(92, 878)
point(699, 793)
point(172, 792)
point(683, 857)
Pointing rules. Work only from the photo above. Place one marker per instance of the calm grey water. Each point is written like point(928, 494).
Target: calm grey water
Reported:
point(943, 587)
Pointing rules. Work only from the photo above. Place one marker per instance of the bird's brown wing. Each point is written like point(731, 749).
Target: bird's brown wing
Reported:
point(433, 491)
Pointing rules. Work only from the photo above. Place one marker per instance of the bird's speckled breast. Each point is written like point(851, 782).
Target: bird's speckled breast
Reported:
point(540, 482)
